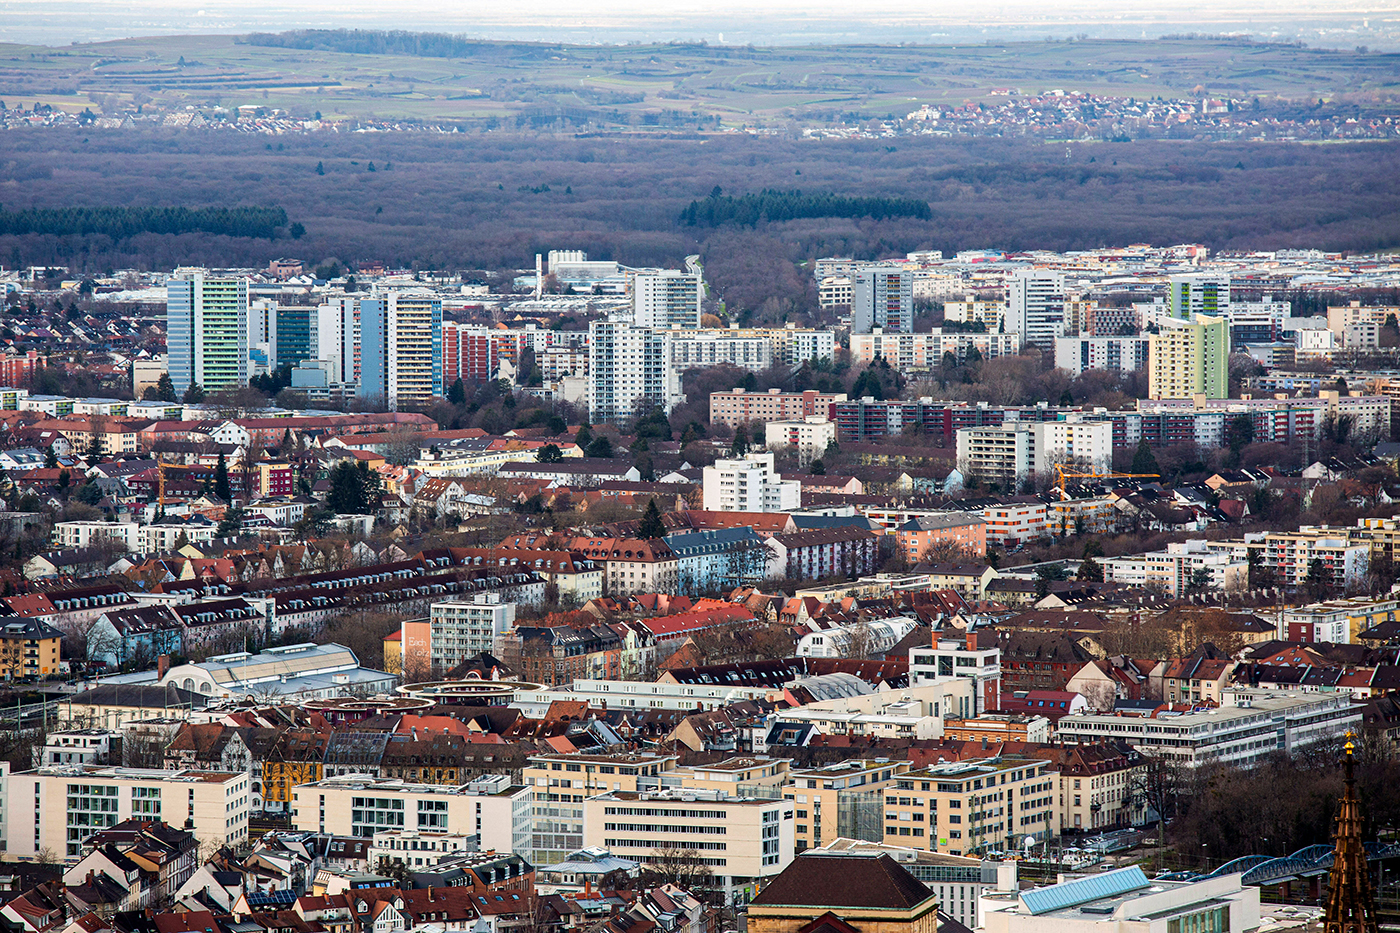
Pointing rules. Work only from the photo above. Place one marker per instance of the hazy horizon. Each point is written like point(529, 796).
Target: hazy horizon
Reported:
point(1322, 23)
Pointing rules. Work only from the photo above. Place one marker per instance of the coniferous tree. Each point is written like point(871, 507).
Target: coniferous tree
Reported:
point(221, 486)
point(651, 525)
point(1144, 461)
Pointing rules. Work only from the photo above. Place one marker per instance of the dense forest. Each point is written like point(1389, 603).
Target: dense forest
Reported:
point(119, 223)
point(492, 201)
point(379, 42)
point(776, 206)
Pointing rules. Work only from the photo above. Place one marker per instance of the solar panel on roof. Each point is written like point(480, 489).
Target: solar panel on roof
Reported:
point(1083, 890)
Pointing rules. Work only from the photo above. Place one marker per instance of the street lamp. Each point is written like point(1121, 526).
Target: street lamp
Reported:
point(1205, 859)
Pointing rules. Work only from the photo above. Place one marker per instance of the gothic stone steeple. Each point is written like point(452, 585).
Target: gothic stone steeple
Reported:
point(1351, 902)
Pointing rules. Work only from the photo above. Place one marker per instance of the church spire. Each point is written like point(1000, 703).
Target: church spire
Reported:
point(1351, 902)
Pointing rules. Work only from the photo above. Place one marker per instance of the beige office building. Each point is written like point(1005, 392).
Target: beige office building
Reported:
point(364, 806)
point(972, 807)
point(53, 810)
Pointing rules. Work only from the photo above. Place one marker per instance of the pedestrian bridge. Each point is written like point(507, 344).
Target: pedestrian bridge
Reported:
point(1262, 870)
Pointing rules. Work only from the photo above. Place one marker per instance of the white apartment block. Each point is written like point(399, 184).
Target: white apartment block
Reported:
point(58, 808)
point(626, 365)
point(667, 299)
point(791, 344)
point(1114, 354)
point(338, 339)
point(810, 437)
point(834, 291)
point(938, 286)
point(1003, 454)
point(1174, 569)
point(1035, 306)
point(207, 331)
point(917, 712)
point(989, 313)
point(1190, 295)
point(961, 659)
point(638, 695)
point(1076, 444)
point(925, 351)
point(85, 534)
point(363, 806)
point(882, 296)
point(1248, 727)
point(463, 628)
point(693, 349)
point(1287, 555)
point(418, 850)
point(743, 840)
point(401, 348)
point(749, 485)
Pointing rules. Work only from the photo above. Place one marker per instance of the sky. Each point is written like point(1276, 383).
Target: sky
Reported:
point(1318, 23)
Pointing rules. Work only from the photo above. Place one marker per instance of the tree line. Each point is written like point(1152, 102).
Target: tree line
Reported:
point(383, 42)
point(122, 222)
point(770, 205)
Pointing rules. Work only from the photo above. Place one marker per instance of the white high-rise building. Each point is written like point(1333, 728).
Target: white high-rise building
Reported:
point(262, 333)
point(338, 338)
point(1115, 354)
point(666, 298)
point(626, 364)
point(207, 331)
point(463, 628)
point(882, 296)
point(401, 348)
point(749, 485)
point(1035, 306)
point(1079, 445)
point(1190, 295)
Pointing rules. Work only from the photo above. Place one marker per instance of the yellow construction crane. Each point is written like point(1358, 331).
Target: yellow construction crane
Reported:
point(1062, 474)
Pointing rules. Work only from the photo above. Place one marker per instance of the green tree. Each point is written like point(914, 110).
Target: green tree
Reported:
point(221, 485)
point(50, 458)
point(95, 448)
point(1239, 433)
point(457, 395)
point(320, 168)
point(165, 389)
point(584, 437)
point(1144, 461)
point(1090, 570)
point(740, 445)
point(549, 453)
point(88, 493)
point(231, 524)
point(355, 489)
point(194, 394)
point(599, 447)
point(651, 525)
point(817, 467)
point(1200, 580)
point(63, 480)
point(1317, 583)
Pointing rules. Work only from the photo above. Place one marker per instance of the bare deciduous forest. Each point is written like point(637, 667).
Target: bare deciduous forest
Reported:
point(491, 201)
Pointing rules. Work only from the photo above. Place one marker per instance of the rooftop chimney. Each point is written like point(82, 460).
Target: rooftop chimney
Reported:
point(162, 665)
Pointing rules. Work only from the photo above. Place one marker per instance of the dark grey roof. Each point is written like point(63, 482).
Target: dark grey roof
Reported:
point(144, 696)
